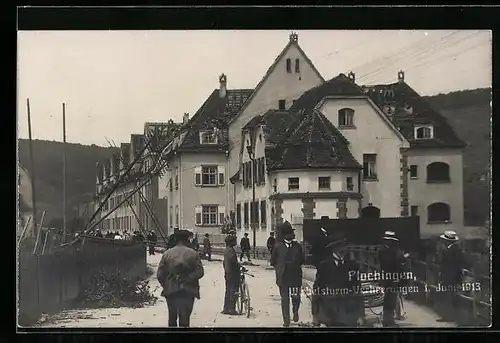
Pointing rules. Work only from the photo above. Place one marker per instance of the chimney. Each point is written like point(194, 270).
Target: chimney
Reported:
point(294, 37)
point(185, 118)
point(351, 76)
point(223, 86)
point(401, 76)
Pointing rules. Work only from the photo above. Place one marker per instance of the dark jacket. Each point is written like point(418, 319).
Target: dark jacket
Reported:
point(451, 261)
point(245, 244)
point(391, 261)
point(180, 269)
point(287, 263)
point(336, 274)
point(271, 241)
point(231, 265)
point(207, 246)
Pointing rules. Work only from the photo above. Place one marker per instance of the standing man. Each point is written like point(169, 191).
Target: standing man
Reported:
point(392, 262)
point(231, 275)
point(152, 242)
point(207, 248)
point(245, 247)
point(179, 272)
point(451, 263)
point(287, 259)
point(270, 242)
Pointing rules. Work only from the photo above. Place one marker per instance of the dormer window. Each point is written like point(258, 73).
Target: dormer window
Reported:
point(424, 132)
point(297, 65)
point(208, 137)
point(346, 117)
point(288, 65)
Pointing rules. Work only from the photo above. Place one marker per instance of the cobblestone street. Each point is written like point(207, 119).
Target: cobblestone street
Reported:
point(206, 313)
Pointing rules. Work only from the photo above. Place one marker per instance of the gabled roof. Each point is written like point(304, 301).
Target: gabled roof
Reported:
point(311, 141)
point(339, 85)
point(411, 109)
point(291, 42)
point(216, 112)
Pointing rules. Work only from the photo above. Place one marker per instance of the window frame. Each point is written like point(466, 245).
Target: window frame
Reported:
point(433, 179)
point(288, 66)
point(347, 114)
point(410, 171)
point(432, 219)
point(430, 129)
point(204, 135)
point(374, 175)
point(297, 66)
point(347, 184)
point(325, 187)
point(280, 103)
point(215, 215)
point(290, 183)
point(215, 175)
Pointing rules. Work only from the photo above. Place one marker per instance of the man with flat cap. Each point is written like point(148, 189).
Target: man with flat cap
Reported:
point(451, 261)
point(231, 276)
point(287, 259)
point(179, 272)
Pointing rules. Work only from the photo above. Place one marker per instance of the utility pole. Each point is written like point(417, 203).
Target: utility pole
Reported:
point(65, 232)
point(32, 162)
point(253, 207)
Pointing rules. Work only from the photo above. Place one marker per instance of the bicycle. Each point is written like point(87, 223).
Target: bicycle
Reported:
point(243, 300)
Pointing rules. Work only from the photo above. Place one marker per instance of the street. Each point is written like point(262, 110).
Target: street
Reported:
point(265, 302)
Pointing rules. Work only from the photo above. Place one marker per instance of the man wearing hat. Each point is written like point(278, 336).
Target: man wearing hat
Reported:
point(451, 263)
point(337, 300)
point(207, 247)
point(391, 261)
point(231, 276)
point(245, 247)
point(271, 241)
point(179, 271)
point(287, 259)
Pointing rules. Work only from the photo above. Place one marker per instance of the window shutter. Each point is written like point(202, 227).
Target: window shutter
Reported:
point(170, 185)
point(244, 176)
point(222, 215)
point(222, 175)
point(197, 176)
point(197, 214)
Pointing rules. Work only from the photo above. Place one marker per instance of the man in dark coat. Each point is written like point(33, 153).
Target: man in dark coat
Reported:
point(152, 242)
point(337, 299)
point(451, 263)
point(287, 259)
point(245, 247)
point(171, 239)
point(231, 275)
point(207, 247)
point(391, 261)
point(270, 242)
point(179, 272)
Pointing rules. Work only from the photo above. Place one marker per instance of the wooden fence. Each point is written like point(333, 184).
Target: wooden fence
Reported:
point(50, 282)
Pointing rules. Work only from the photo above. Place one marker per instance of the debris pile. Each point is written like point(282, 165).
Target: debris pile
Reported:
point(113, 289)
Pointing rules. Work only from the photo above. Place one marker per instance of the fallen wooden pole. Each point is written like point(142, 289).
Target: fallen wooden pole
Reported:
point(38, 234)
point(24, 230)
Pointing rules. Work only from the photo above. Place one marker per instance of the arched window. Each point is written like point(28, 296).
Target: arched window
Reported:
point(297, 65)
point(438, 172)
point(438, 213)
point(346, 117)
point(424, 132)
point(288, 65)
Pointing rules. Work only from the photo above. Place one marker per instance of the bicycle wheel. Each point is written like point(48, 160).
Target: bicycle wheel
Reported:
point(240, 300)
point(247, 301)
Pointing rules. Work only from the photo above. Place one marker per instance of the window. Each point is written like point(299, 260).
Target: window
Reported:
point(209, 176)
point(177, 215)
point(275, 186)
point(438, 213)
point(324, 182)
point(438, 172)
point(293, 183)
point(222, 215)
point(245, 214)
point(349, 184)
point(288, 65)
point(346, 117)
point(369, 166)
point(209, 215)
point(221, 171)
point(281, 104)
point(208, 137)
point(413, 171)
point(176, 178)
point(424, 132)
point(238, 216)
point(170, 185)
point(263, 213)
point(254, 212)
point(297, 65)
point(414, 211)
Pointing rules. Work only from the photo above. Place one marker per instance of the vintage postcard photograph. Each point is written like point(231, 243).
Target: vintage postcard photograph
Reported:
point(256, 179)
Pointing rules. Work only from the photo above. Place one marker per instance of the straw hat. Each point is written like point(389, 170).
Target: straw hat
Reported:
point(390, 235)
point(449, 235)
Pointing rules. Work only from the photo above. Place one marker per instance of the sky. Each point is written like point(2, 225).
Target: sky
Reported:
point(114, 81)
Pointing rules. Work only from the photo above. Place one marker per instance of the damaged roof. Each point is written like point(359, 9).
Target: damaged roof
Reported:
point(408, 108)
point(216, 112)
point(310, 141)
